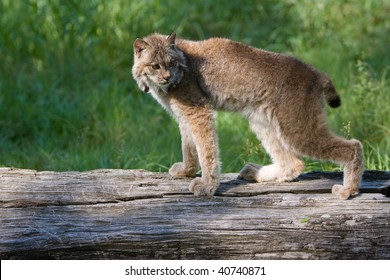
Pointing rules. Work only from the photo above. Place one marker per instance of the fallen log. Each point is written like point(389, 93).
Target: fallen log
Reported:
point(136, 214)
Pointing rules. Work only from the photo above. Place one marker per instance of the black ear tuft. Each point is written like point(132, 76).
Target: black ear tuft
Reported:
point(172, 38)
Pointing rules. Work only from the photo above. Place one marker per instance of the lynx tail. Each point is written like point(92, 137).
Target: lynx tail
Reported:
point(331, 95)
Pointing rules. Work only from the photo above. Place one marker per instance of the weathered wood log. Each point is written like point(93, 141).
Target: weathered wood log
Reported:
point(136, 214)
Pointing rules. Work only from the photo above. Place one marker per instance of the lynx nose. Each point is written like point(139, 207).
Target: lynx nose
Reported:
point(167, 77)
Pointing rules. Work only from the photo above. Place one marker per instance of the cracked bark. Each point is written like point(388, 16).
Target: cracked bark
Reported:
point(136, 214)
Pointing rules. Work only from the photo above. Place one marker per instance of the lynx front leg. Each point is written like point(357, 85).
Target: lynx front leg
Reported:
point(200, 122)
point(189, 166)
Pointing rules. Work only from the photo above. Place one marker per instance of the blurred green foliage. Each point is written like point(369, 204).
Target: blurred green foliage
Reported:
point(68, 102)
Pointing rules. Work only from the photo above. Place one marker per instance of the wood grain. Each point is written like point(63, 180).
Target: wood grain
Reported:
point(136, 214)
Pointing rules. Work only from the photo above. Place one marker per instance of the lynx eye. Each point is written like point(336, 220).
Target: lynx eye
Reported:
point(156, 66)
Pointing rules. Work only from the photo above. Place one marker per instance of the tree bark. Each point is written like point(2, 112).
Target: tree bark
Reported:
point(136, 214)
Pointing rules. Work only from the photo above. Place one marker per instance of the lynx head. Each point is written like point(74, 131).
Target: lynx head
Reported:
point(158, 63)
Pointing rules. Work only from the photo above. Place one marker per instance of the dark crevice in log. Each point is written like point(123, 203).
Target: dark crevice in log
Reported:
point(27, 204)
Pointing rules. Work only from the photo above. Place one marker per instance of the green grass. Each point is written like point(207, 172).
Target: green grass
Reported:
point(68, 102)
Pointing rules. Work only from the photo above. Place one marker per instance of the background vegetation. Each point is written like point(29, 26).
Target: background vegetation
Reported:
point(68, 102)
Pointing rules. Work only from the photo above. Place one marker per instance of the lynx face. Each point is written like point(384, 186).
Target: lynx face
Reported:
point(159, 66)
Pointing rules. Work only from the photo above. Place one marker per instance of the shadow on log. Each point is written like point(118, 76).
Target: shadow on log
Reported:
point(136, 214)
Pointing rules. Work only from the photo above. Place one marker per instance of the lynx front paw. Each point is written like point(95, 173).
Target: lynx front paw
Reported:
point(250, 172)
point(180, 170)
point(343, 193)
point(199, 188)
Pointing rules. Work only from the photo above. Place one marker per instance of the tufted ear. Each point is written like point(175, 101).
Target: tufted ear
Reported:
point(139, 46)
point(171, 38)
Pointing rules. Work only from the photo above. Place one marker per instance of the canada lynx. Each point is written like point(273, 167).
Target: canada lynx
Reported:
point(282, 97)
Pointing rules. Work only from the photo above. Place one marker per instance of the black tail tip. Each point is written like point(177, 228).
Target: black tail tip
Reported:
point(334, 102)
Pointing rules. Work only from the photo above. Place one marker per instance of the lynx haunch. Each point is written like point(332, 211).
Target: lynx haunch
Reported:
point(282, 98)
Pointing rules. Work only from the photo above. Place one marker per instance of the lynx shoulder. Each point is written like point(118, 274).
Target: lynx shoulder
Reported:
point(282, 98)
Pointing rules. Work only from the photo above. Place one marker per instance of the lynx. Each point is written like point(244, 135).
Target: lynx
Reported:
point(282, 98)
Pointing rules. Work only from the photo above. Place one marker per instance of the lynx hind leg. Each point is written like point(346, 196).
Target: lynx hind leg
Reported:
point(249, 172)
point(346, 152)
point(286, 165)
point(353, 170)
